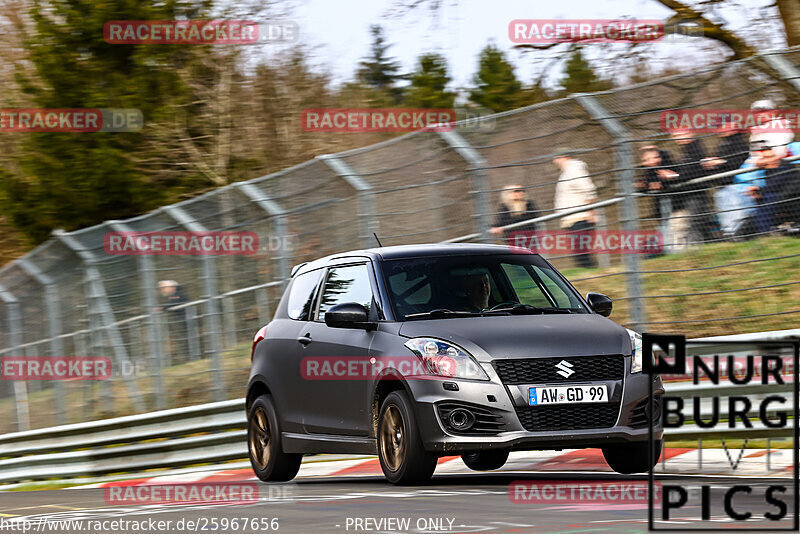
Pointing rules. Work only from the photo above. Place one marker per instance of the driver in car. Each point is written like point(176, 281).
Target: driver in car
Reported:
point(476, 290)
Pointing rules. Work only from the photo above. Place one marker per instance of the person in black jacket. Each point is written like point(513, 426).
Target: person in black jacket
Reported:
point(515, 207)
point(656, 164)
point(697, 202)
point(732, 151)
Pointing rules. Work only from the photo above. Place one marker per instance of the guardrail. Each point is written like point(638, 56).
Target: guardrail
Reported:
point(216, 432)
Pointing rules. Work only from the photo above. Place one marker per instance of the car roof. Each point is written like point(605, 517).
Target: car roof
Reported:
point(413, 251)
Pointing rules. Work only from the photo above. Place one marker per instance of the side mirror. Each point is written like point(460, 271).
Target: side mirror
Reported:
point(599, 303)
point(348, 315)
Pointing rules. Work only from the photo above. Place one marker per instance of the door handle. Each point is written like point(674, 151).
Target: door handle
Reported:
point(304, 340)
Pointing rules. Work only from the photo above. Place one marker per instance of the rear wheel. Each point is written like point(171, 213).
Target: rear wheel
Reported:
point(485, 460)
point(402, 456)
point(627, 458)
point(269, 462)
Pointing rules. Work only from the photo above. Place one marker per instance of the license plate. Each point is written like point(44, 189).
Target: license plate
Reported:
point(567, 394)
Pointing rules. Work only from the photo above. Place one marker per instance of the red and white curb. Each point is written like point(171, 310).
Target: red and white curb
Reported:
point(752, 462)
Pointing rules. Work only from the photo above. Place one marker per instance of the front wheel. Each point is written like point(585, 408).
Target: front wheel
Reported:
point(269, 462)
point(485, 460)
point(628, 458)
point(402, 456)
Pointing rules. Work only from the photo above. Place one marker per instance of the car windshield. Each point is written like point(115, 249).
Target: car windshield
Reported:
point(463, 286)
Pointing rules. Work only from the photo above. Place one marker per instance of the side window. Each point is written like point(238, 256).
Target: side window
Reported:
point(301, 295)
point(564, 297)
point(345, 284)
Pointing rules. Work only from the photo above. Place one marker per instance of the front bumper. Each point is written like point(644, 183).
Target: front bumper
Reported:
point(507, 403)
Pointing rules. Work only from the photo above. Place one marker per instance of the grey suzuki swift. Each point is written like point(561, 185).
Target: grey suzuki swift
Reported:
point(414, 352)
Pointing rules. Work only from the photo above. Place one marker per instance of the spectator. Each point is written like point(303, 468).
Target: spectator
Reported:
point(173, 296)
point(575, 188)
point(743, 185)
point(777, 194)
point(732, 152)
point(773, 130)
point(660, 178)
point(514, 207)
point(656, 164)
point(696, 199)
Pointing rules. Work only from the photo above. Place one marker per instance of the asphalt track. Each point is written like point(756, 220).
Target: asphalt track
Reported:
point(478, 502)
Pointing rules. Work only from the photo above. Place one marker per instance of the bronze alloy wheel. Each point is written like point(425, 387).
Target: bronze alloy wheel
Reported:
point(392, 438)
point(259, 438)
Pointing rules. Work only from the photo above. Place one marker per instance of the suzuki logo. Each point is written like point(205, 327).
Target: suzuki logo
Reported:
point(565, 369)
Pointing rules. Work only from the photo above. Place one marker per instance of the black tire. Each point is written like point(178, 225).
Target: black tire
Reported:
point(269, 462)
point(631, 458)
point(485, 460)
point(403, 458)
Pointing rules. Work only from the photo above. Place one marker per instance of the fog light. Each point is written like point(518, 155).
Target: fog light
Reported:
point(461, 419)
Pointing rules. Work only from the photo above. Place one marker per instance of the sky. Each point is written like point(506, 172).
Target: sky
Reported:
point(337, 34)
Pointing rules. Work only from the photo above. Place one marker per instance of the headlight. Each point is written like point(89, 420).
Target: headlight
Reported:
point(445, 359)
point(636, 352)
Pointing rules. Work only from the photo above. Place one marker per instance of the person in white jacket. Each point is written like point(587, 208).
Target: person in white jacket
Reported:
point(575, 188)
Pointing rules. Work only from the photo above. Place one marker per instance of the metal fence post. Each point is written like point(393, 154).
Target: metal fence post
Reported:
point(97, 297)
point(155, 336)
point(625, 186)
point(51, 304)
point(15, 340)
point(257, 197)
point(785, 68)
point(210, 288)
point(477, 167)
point(369, 224)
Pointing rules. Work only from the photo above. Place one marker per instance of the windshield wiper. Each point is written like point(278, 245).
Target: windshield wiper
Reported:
point(523, 309)
point(440, 313)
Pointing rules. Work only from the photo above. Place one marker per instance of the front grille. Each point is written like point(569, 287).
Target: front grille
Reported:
point(532, 370)
point(486, 421)
point(568, 417)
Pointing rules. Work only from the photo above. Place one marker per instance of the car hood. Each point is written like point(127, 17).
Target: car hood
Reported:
point(526, 336)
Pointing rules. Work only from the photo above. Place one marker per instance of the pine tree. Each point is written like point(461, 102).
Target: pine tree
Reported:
point(73, 180)
point(497, 87)
point(429, 82)
point(378, 70)
point(580, 77)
